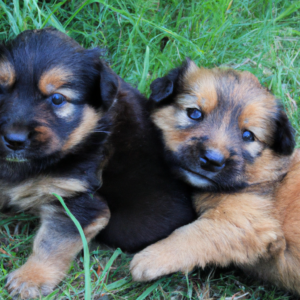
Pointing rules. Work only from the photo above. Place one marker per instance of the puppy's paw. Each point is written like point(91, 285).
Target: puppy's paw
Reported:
point(31, 281)
point(151, 263)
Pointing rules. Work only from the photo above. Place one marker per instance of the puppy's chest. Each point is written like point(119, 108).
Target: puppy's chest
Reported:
point(30, 194)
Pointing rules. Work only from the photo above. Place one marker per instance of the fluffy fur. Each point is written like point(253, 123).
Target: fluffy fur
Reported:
point(54, 121)
point(230, 139)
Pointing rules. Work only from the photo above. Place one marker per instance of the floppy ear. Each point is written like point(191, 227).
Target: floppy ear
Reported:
point(284, 136)
point(164, 87)
point(109, 85)
point(161, 88)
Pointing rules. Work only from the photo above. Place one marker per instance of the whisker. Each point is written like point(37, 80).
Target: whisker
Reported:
point(100, 131)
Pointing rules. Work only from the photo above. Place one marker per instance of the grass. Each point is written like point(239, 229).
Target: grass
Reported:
point(143, 40)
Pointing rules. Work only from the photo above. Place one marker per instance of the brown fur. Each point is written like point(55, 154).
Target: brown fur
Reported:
point(251, 218)
point(7, 73)
point(201, 84)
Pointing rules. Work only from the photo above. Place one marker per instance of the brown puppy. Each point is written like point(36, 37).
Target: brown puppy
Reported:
point(228, 137)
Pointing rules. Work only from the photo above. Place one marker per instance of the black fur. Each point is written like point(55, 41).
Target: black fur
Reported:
point(161, 88)
point(284, 138)
point(146, 201)
point(165, 88)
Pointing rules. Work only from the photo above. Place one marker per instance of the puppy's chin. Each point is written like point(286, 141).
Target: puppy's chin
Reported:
point(194, 179)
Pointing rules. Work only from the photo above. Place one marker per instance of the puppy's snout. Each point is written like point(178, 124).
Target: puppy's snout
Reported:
point(15, 140)
point(212, 160)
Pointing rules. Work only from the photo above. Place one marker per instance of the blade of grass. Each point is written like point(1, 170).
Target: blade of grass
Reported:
point(55, 8)
point(150, 289)
point(143, 81)
point(11, 19)
point(86, 263)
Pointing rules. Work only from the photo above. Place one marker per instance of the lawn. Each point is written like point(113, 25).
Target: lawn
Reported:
point(143, 39)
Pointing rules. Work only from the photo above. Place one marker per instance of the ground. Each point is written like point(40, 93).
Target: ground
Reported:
point(143, 40)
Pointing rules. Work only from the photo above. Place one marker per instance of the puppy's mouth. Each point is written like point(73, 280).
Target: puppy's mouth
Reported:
point(196, 179)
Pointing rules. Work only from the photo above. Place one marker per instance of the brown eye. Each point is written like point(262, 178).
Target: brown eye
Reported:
point(58, 99)
point(194, 114)
point(248, 136)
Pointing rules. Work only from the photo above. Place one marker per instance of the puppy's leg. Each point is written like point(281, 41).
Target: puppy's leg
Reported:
point(283, 268)
point(55, 246)
point(239, 230)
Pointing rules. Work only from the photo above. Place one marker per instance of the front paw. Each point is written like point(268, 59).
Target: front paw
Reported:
point(152, 263)
point(29, 283)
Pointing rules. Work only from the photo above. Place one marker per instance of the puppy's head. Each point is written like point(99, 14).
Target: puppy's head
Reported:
point(53, 96)
point(222, 130)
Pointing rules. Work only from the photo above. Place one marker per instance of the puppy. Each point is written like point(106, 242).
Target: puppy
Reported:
point(54, 121)
point(230, 139)
point(146, 201)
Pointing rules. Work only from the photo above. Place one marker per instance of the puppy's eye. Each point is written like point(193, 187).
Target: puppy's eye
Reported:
point(248, 136)
point(58, 99)
point(194, 114)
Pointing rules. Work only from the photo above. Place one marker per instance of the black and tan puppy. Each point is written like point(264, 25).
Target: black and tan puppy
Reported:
point(229, 138)
point(53, 123)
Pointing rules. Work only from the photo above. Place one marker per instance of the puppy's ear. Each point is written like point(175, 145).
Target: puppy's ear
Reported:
point(284, 135)
point(162, 89)
point(109, 86)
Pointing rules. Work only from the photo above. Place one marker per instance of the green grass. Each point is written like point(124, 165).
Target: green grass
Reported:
point(143, 40)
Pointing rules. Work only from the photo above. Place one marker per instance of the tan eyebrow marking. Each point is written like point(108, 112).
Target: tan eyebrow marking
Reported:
point(257, 117)
point(7, 73)
point(201, 83)
point(54, 78)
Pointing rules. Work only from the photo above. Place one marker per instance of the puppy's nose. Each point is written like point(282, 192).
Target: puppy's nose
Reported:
point(212, 160)
point(15, 140)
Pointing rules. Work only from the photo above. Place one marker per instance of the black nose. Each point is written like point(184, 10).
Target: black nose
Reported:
point(212, 160)
point(15, 140)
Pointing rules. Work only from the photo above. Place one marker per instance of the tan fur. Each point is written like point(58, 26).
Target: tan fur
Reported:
point(34, 192)
point(66, 111)
point(97, 225)
point(7, 73)
point(47, 266)
point(89, 122)
point(256, 227)
point(237, 230)
point(200, 82)
point(46, 135)
point(258, 233)
point(267, 166)
point(256, 118)
point(165, 120)
point(54, 78)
